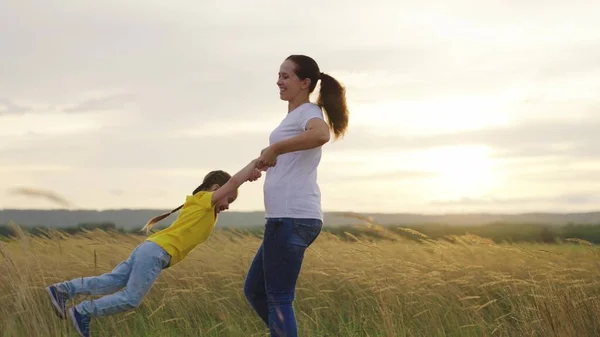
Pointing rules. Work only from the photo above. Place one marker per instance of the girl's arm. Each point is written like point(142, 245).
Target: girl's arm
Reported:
point(316, 134)
point(245, 174)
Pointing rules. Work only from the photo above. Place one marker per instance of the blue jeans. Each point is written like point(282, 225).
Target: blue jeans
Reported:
point(270, 285)
point(136, 274)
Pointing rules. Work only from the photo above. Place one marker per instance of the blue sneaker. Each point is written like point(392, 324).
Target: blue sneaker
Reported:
point(80, 322)
point(59, 301)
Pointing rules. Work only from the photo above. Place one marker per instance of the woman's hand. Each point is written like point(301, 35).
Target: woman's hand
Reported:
point(268, 158)
point(255, 174)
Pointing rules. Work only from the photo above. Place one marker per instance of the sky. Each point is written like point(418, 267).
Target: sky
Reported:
point(455, 106)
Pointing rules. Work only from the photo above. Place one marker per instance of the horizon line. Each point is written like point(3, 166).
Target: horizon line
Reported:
point(332, 212)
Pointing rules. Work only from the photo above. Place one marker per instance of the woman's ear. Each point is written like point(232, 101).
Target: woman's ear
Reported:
point(214, 187)
point(305, 83)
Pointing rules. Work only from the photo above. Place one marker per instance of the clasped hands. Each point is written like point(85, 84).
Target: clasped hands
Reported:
point(267, 158)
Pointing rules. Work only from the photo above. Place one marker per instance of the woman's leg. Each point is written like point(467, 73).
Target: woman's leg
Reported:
point(254, 287)
point(285, 242)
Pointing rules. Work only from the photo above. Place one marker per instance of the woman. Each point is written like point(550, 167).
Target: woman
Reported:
point(291, 193)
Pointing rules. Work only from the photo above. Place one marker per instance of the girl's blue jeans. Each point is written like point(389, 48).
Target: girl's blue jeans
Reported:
point(271, 281)
point(133, 277)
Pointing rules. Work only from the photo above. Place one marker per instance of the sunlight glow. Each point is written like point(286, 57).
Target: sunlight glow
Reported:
point(461, 171)
point(443, 115)
point(439, 173)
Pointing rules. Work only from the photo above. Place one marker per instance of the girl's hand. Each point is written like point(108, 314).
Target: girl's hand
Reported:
point(246, 174)
point(255, 175)
point(248, 171)
point(268, 158)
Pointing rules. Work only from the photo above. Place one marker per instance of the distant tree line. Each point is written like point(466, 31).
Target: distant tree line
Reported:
point(499, 233)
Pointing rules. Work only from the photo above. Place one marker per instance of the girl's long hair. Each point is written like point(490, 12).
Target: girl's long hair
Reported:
point(214, 177)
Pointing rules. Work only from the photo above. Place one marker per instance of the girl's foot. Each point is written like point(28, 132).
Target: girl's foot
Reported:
point(80, 322)
point(59, 301)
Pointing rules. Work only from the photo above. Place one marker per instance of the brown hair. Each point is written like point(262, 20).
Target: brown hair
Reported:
point(332, 95)
point(214, 177)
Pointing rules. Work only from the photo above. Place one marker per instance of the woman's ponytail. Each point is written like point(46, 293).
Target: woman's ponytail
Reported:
point(332, 98)
point(332, 95)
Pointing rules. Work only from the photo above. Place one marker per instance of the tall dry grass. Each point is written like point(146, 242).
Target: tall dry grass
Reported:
point(347, 288)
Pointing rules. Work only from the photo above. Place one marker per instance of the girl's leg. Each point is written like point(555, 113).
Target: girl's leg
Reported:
point(254, 287)
point(285, 242)
point(147, 262)
point(104, 284)
point(98, 285)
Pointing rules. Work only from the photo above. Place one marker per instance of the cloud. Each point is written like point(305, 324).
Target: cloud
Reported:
point(102, 103)
point(145, 149)
point(336, 176)
point(164, 148)
point(110, 102)
point(37, 193)
point(116, 192)
point(542, 137)
point(557, 173)
point(26, 131)
point(519, 80)
point(577, 199)
point(8, 107)
point(575, 60)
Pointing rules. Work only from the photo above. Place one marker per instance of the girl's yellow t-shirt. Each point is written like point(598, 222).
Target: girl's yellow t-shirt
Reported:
point(193, 226)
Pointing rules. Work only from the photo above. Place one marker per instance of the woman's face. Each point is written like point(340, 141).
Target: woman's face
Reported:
point(290, 85)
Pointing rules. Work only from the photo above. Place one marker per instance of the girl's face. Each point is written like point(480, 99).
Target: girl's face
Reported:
point(223, 203)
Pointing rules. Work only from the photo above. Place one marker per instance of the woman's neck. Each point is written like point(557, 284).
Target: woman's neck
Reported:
point(296, 102)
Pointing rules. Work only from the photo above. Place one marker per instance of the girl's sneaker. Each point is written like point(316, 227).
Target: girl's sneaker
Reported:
point(59, 301)
point(80, 322)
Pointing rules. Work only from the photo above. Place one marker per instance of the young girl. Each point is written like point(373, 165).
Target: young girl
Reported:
point(161, 250)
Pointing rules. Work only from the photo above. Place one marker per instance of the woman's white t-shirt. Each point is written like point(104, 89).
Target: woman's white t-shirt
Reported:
point(290, 188)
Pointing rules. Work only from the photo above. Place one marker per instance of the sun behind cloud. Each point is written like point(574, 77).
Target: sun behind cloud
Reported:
point(460, 171)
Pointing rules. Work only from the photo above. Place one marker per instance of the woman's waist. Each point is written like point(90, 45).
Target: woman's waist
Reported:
point(292, 179)
point(299, 188)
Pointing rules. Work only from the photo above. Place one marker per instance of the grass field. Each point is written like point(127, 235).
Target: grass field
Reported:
point(349, 288)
